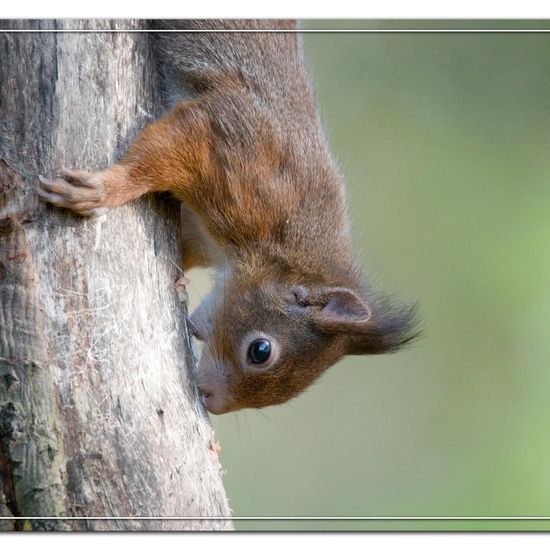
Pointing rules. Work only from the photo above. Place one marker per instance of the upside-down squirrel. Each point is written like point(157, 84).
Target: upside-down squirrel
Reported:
point(263, 202)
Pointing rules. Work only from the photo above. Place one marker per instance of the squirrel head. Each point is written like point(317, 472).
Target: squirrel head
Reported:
point(266, 342)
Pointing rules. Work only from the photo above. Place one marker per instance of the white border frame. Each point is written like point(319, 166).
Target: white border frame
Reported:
point(286, 518)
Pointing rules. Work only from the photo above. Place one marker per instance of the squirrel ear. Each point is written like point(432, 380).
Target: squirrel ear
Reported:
point(380, 327)
point(341, 310)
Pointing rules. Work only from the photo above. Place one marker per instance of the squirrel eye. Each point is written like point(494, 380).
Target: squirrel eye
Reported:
point(259, 351)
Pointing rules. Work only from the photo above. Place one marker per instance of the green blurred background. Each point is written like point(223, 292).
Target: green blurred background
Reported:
point(444, 140)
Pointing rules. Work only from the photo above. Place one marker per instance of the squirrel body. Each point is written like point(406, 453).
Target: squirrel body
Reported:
point(263, 202)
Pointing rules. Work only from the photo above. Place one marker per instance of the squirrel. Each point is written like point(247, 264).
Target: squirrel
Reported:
point(263, 202)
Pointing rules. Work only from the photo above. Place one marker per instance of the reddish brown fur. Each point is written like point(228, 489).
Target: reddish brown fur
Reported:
point(264, 203)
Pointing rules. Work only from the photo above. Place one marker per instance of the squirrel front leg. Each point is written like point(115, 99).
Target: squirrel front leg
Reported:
point(171, 154)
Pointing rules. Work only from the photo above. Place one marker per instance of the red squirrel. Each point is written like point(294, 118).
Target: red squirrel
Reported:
point(263, 202)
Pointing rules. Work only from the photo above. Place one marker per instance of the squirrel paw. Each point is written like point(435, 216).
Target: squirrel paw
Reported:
point(181, 289)
point(80, 191)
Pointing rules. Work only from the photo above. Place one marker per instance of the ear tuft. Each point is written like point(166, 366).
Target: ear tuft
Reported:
point(390, 328)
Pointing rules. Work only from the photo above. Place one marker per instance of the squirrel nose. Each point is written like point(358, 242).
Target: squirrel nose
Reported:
point(213, 402)
point(207, 398)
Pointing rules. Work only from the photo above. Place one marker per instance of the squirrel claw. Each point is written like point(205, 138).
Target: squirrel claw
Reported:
point(76, 190)
point(80, 178)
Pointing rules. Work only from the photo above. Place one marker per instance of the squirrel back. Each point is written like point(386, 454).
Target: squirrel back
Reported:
point(266, 135)
point(292, 281)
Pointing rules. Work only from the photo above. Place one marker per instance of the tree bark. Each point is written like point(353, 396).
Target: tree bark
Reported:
point(99, 415)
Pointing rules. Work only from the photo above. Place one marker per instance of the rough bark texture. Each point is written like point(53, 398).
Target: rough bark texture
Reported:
point(98, 411)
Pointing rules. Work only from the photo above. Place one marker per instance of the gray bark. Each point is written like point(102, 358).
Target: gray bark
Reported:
point(99, 415)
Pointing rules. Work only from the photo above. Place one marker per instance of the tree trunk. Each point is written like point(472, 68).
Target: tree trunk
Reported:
point(99, 416)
